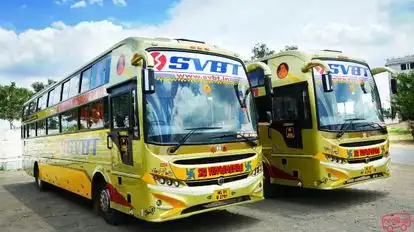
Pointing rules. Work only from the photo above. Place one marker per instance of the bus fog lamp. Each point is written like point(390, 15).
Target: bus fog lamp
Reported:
point(158, 202)
point(176, 184)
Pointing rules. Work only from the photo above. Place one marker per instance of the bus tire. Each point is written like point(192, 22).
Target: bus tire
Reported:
point(268, 187)
point(40, 184)
point(102, 205)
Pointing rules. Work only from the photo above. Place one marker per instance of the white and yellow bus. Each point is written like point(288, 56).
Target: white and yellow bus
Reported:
point(320, 120)
point(153, 127)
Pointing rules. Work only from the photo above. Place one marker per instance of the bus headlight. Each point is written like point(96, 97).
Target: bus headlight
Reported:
point(168, 182)
point(335, 159)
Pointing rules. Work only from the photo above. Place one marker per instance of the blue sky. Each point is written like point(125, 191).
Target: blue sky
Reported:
point(20, 15)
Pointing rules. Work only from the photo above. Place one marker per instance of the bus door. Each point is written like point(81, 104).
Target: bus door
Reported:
point(123, 138)
point(291, 114)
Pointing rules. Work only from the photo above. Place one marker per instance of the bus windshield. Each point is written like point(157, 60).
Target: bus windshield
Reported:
point(195, 90)
point(354, 97)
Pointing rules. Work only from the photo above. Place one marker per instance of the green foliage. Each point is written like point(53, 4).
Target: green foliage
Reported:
point(398, 130)
point(261, 50)
point(39, 86)
point(12, 99)
point(290, 48)
point(403, 100)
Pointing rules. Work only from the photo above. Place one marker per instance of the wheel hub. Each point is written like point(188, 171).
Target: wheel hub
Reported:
point(104, 200)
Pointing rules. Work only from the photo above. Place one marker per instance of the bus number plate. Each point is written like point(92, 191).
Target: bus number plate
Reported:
point(368, 170)
point(221, 194)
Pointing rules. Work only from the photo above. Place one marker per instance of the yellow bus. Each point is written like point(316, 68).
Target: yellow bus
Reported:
point(321, 126)
point(156, 128)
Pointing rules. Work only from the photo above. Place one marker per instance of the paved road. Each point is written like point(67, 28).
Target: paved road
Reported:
point(403, 154)
point(23, 208)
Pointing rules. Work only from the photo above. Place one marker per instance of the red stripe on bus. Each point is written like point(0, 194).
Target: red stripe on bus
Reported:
point(82, 99)
point(275, 172)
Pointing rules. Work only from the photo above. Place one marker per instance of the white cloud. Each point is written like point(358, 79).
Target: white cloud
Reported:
point(59, 2)
point(362, 28)
point(98, 2)
point(119, 2)
point(79, 4)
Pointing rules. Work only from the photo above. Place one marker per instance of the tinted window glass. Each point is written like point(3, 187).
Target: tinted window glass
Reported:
point(100, 72)
point(32, 108)
point(69, 121)
point(53, 125)
point(86, 75)
point(256, 77)
point(41, 127)
point(121, 111)
point(84, 117)
point(97, 115)
point(32, 130)
point(65, 91)
point(41, 104)
point(74, 86)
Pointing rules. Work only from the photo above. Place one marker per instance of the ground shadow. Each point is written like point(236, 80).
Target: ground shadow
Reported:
point(293, 199)
point(65, 211)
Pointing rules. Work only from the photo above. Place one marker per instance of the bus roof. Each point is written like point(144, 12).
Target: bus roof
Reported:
point(145, 42)
point(307, 55)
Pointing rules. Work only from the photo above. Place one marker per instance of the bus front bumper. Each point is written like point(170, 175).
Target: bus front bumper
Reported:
point(174, 203)
point(334, 175)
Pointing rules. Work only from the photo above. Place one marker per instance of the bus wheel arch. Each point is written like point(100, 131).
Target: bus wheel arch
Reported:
point(101, 200)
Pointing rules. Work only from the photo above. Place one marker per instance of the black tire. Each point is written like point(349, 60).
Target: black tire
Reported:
point(269, 189)
point(102, 206)
point(40, 184)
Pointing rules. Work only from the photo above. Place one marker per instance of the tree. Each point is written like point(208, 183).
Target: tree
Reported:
point(12, 99)
point(261, 50)
point(39, 86)
point(403, 100)
point(290, 48)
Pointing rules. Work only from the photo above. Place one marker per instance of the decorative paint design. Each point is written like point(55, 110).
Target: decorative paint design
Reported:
point(282, 70)
point(79, 146)
point(215, 171)
point(117, 197)
point(120, 66)
point(162, 171)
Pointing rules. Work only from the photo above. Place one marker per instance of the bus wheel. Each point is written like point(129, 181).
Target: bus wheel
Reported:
point(40, 184)
point(268, 187)
point(102, 205)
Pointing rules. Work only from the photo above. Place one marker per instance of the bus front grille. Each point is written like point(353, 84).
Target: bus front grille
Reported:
point(362, 143)
point(365, 160)
point(215, 204)
point(214, 159)
point(215, 180)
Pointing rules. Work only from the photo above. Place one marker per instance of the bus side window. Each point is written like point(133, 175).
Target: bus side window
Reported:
point(121, 106)
point(291, 102)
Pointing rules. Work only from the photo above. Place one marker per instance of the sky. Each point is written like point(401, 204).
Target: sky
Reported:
point(44, 39)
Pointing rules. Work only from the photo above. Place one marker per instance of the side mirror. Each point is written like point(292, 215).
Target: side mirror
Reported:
point(148, 78)
point(327, 82)
point(268, 85)
point(269, 116)
point(394, 85)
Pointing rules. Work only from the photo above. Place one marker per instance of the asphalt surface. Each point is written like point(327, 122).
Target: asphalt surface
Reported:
point(359, 208)
point(403, 154)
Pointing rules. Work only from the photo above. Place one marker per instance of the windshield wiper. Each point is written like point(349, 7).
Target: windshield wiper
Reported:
point(344, 126)
point(192, 130)
point(235, 135)
point(371, 124)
